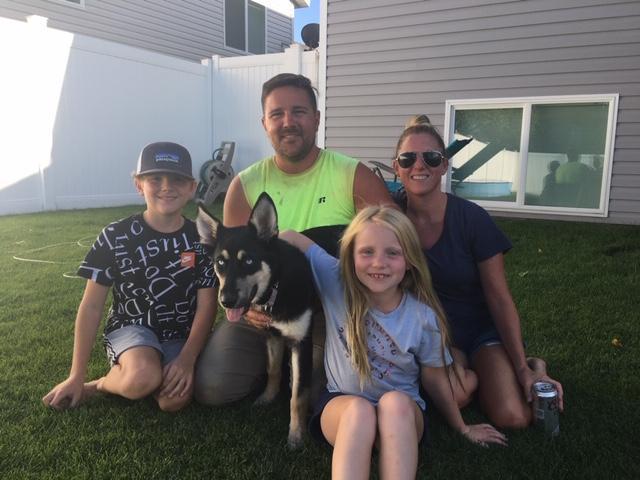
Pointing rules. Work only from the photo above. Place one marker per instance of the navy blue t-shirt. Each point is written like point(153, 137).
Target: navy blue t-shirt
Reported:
point(469, 236)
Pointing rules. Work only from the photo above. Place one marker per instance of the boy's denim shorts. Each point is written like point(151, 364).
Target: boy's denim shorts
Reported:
point(120, 340)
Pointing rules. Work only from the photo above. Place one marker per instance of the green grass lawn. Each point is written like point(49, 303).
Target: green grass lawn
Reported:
point(576, 285)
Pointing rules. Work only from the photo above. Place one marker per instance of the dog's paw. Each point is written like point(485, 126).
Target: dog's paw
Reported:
point(264, 399)
point(295, 440)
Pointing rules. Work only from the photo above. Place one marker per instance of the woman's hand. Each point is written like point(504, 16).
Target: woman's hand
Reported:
point(527, 377)
point(483, 434)
point(558, 386)
point(258, 318)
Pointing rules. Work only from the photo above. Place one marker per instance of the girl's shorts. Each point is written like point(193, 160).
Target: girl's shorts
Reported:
point(120, 340)
point(315, 429)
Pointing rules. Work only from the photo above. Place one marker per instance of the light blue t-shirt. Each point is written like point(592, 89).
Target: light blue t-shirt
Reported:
point(399, 342)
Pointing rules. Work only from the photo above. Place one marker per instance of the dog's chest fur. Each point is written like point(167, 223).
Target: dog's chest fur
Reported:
point(296, 329)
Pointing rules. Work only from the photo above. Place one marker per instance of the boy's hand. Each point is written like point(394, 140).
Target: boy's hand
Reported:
point(67, 394)
point(483, 434)
point(177, 377)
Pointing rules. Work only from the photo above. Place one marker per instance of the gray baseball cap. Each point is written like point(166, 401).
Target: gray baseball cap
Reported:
point(164, 157)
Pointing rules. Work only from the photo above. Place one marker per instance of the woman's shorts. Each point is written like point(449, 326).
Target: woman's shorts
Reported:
point(119, 341)
point(315, 429)
point(485, 339)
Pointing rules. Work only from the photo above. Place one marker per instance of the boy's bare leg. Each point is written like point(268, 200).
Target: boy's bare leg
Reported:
point(137, 374)
point(90, 389)
point(115, 381)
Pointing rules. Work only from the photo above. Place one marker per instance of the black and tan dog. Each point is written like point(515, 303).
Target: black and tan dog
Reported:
point(257, 269)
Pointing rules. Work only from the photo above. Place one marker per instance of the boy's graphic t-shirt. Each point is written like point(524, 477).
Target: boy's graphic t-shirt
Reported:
point(155, 276)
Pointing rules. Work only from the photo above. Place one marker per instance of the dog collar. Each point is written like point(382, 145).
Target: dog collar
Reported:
point(268, 306)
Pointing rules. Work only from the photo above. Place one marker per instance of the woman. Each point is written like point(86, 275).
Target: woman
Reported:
point(464, 250)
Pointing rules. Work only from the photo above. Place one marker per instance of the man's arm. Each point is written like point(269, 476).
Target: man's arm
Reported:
point(368, 189)
point(236, 210)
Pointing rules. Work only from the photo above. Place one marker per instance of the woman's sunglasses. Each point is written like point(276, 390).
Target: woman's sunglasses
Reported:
point(431, 158)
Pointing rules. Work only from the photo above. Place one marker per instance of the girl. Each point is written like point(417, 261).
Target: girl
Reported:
point(464, 250)
point(385, 329)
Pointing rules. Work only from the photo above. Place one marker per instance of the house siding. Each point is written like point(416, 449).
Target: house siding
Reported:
point(191, 29)
point(279, 32)
point(389, 60)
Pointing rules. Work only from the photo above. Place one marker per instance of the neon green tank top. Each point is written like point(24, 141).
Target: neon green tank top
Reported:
point(318, 197)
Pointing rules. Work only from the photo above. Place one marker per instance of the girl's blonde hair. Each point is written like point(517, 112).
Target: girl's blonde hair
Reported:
point(417, 280)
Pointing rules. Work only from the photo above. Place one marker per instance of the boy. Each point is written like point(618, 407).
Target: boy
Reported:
point(163, 293)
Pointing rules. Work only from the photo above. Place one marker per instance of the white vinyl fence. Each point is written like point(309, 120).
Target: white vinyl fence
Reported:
point(75, 112)
point(237, 87)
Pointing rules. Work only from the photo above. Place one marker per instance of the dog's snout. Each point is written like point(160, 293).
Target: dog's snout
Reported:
point(228, 299)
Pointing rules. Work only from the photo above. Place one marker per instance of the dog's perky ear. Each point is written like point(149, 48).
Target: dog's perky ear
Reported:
point(264, 217)
point(208, 226)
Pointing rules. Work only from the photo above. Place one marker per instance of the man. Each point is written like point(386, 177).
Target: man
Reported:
point(313, 189)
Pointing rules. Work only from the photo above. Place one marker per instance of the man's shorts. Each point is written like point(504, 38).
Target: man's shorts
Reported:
point(119, 341)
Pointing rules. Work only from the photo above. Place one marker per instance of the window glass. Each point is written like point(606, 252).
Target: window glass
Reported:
point(565, 167)
point(256, 32)
point(566, 155)
point(234, 23)
point(488, 168)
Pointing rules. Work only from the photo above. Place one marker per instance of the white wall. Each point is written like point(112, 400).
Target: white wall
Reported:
point(76, 111)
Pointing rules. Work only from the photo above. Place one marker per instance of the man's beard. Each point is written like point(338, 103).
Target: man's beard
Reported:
point(298, 154)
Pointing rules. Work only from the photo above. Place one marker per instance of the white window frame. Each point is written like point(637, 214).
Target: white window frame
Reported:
point(525, 103)
point(70, 3)
point(246, 29)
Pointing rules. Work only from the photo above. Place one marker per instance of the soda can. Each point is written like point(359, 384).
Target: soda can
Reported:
point(545, 408)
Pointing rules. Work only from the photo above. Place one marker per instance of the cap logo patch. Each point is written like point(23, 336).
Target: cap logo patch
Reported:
point(167, 157)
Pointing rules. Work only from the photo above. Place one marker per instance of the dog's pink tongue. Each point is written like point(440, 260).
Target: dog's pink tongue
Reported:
point(234, 314)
